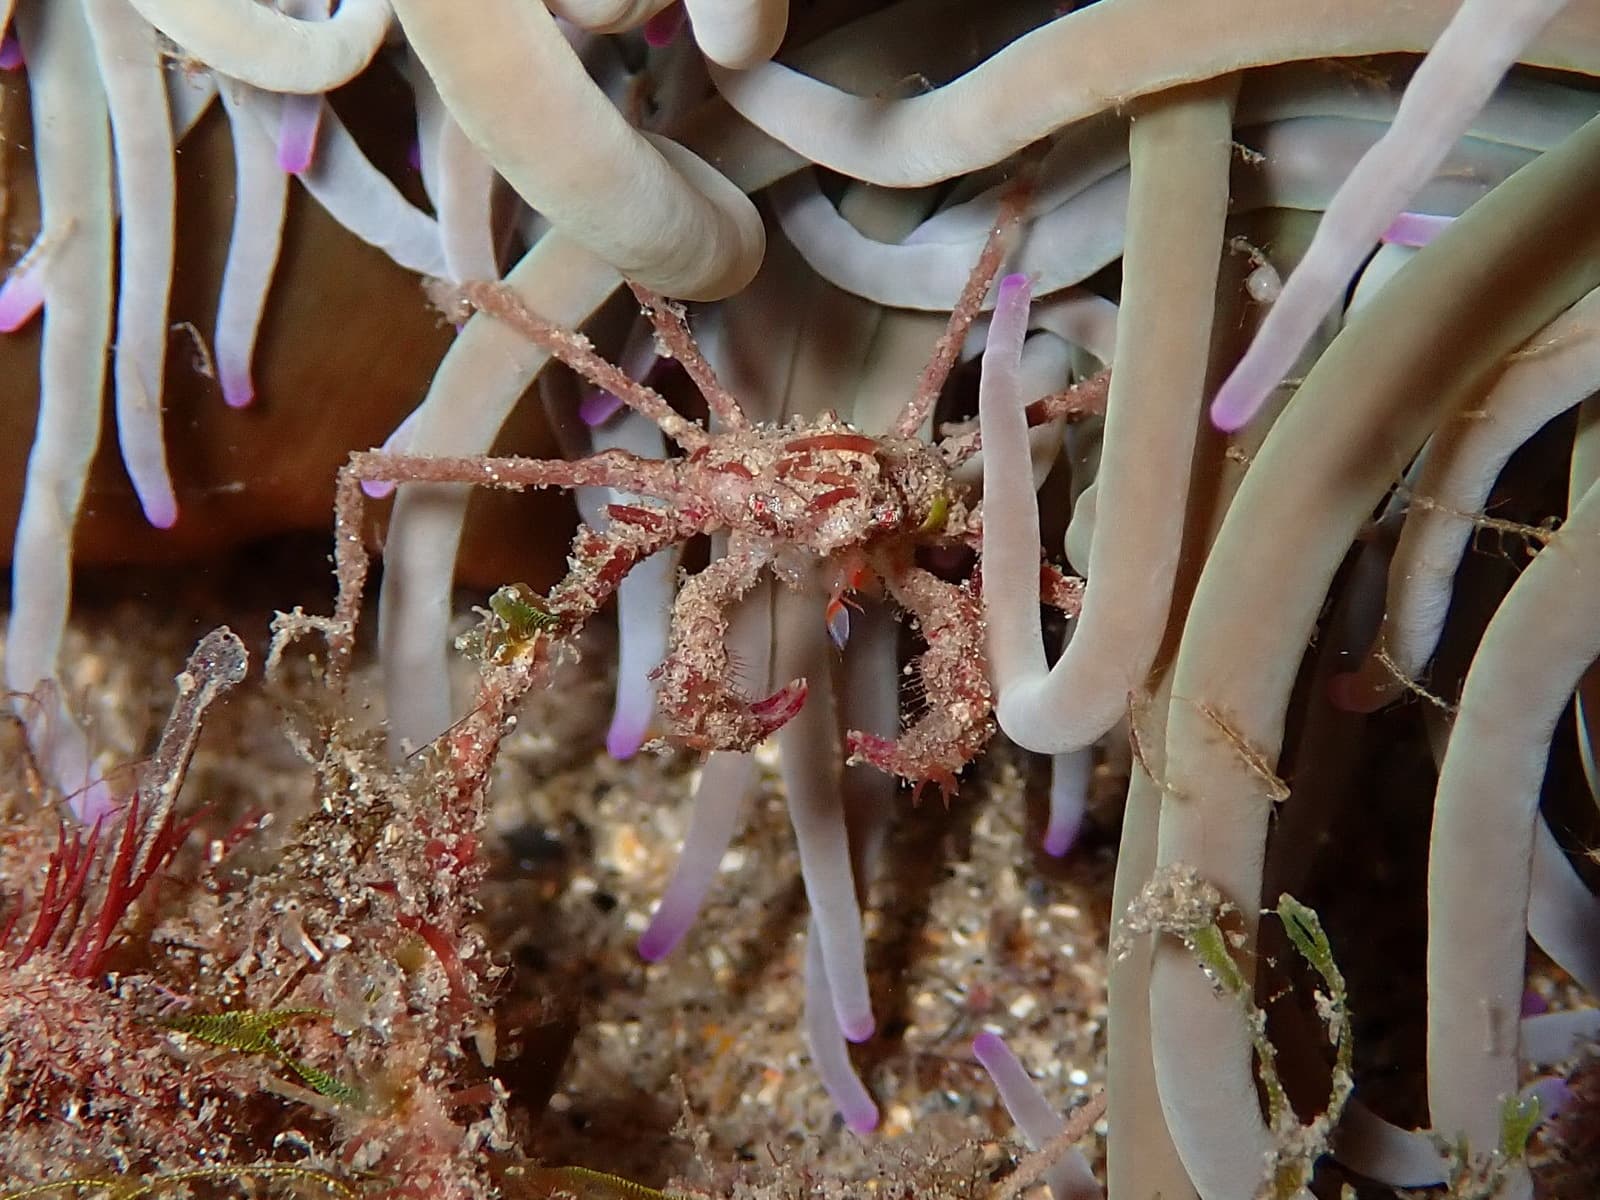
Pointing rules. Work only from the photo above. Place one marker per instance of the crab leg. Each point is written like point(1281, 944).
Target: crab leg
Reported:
point(610, 468)
point(954, 676)
point(961, 317)
point(698, 704)
point(575, 351)
point(672, 328)
point(601, 558)
point(619, 469)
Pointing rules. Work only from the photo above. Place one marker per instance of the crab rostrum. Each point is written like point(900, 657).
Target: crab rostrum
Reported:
point(789, 498)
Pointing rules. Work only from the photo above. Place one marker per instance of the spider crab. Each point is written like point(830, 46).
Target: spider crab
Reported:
point(794, 498)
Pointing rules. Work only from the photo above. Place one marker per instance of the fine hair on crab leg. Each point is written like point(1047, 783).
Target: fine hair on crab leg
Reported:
point(573, 349)
point(131, 70)
point(1064, 71)
point(482, 375)
point(260, 204)
point(270, 49)
point(1180, 154)
point(1533, 652)
point(1458, 75)
point(1427, 343)
point(658, 213)
point(1557, 369)
point(73, 151)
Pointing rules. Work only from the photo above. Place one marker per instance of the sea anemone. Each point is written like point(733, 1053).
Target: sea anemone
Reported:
point(1262, 420)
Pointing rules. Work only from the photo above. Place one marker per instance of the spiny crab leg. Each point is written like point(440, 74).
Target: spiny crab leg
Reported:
point(575, 351)
point(696, 700)
point(610, 468)
point(954, 676)
point(600, 559)
point(672, 329)
point(516, 640)
point(965, 312)
point(1085, 398)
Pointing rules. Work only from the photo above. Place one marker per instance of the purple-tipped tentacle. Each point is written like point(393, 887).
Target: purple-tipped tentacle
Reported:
point(129, 55)
point(725, 781)
point(1069, 1177)
point(398, 442)
point(1415, 229)
point(643, 602)
point(300, 115)
point(298, 122)
point(830, 1054)
point(261, 197)
point(1069, 791)
point(1464, 67)
point(22, 293)
point(597, 407)
point(663, 28)
point(61, 750)
point(809, 745)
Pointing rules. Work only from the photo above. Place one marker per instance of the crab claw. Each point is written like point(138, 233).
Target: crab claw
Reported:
point(908, 762)
point(707, 715)
point(778, 709)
